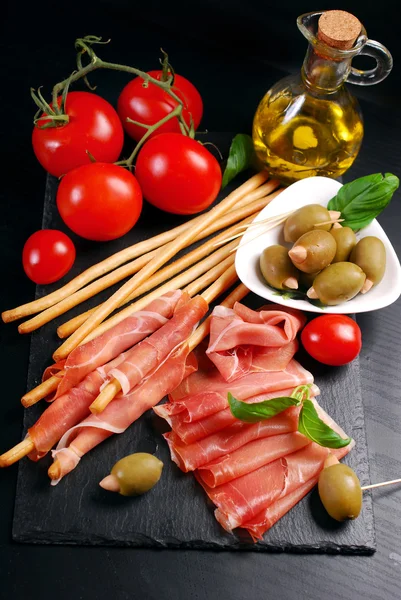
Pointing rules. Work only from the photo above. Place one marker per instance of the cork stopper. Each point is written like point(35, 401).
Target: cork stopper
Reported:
point(338, 29)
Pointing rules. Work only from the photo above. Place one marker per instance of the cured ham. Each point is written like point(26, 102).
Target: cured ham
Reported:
point(197, 430)
point(198, 406)
point(261, 522)
point(240, 500)
point(99, 351)
point(246, 341)
point(67, 410)
point(151, 352)
point(190, 457)
point(250, 457)
point(123, 411)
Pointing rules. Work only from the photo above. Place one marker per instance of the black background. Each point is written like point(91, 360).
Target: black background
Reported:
point(232, 51)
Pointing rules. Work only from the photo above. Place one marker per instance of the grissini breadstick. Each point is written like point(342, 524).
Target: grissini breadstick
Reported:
point(123, 272)
point(42, 390)
point(158, 261)
point(67, 328)
point(117, 259)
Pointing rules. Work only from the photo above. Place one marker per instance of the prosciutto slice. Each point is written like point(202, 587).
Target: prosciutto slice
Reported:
point(246, 341)
point(67, 410)
point(198, 406)
point(259, 524)
point(99, 351)
point(123, 411)
point(197, 430)
point(190, 457)
point(250, 457)
point(147, 355)
point(242, 499)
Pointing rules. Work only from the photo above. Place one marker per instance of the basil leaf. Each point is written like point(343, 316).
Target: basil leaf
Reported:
point(363, 199)
point(253, 413)
point(311, 425)
point(240, 157)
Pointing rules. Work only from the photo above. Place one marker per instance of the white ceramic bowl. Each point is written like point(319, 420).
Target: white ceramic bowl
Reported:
point(313, 190)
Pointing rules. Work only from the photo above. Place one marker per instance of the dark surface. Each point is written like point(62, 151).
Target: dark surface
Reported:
point(176, 513)
point(233, 51)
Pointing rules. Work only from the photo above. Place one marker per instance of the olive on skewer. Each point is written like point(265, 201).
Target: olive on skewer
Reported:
point(313, 251)
point(340, 490)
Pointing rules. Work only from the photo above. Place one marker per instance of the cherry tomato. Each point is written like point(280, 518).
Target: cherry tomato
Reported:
point(332, 339)
point(99, 201)
point(93, 126)
point(177, 174)
point(48, 255)
point(150, 104)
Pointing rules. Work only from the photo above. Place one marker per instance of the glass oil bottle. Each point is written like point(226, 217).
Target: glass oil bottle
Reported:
point(309, 123)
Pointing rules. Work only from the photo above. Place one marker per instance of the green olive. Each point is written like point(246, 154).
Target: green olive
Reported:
point(340, 492)
point(338, 283)
point(313, 251)
point(304, 219)
point(137, 473)
point(345, 240)
point(277, 268)
point(370, 255)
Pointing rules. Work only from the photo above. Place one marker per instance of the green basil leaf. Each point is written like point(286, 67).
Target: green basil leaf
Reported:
point(240, 157)
point(311, 425)
point(363, 199)
point(253, 413)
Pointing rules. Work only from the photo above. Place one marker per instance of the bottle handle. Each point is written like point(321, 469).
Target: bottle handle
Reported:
point(384, 64)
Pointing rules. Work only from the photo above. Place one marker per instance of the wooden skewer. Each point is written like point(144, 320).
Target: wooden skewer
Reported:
point(16, 453)
point(242, 229)
point(42, 390)
point(134, 266)
point(227, 278)
point(114, 261)
point(331, 222)
point(158, 261)
point(382, 484)
point(262, 233)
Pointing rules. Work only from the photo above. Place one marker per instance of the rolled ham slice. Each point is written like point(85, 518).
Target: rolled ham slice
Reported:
point(197, 430)
point(151, 352)
point(196, 407)
point(99, 351)
point(192, 456)
point(246, 341)
point(67, 410)
point(123, 411)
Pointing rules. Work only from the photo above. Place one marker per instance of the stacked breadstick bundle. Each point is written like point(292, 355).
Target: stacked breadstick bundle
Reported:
point(111, 368)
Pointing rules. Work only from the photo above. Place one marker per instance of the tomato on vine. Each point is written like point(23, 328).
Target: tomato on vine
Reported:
point(148, 104)
point(92, 127)
point(48, 255)
point(99, 201)
point(178, 174)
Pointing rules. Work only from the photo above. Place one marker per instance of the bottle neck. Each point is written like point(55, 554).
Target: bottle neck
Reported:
point(322, 74)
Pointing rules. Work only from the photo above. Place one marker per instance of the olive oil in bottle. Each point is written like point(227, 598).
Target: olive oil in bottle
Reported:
point(309, 123)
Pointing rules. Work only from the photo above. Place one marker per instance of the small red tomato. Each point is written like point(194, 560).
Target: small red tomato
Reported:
point(48, 255)
point(177, 174)
point(148, 104)
point(99, 201)
point(94, 126)
point(332, 339)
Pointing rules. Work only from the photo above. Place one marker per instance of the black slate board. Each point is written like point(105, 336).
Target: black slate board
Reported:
point(176, 514)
